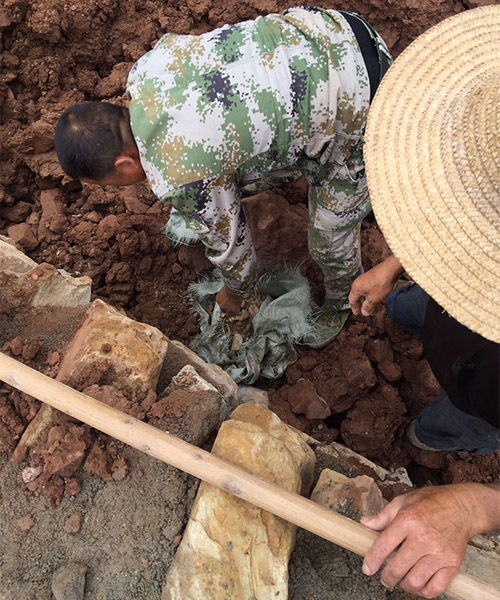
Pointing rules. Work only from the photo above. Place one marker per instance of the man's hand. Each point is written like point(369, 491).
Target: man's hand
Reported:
point(370, 289)
point(229, 303)
point(428, 531)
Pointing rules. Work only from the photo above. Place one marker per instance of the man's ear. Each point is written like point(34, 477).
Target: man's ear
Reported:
point(125, 162)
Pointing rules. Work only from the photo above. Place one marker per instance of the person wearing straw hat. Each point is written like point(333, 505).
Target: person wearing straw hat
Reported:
point(433, 168)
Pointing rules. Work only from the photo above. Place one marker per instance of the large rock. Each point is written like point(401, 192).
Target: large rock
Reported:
point(42, 285)
point(231, 549)
point(179, 355)
point(108, 349)
point(134, 351)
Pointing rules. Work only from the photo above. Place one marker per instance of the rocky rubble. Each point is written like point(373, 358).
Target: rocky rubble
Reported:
point(229, 546)
point(135, 368)
point(107, 356)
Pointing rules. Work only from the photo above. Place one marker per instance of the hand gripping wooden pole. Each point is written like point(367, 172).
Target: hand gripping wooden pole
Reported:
point(294, 508)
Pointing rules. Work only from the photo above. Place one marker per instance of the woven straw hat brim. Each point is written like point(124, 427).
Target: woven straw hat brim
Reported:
point(433, 165)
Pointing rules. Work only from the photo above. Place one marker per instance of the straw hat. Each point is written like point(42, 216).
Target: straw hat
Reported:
point(433, 165)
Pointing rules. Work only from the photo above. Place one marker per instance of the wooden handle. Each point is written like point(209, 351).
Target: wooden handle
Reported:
point(203, 465)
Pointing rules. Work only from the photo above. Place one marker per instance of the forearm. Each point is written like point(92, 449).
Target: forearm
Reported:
point(392, 268)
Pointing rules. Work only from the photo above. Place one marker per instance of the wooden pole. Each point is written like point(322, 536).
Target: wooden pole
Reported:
point(293, 508)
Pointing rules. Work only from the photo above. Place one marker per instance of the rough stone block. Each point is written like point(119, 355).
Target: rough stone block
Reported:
point(248, 393)
point(231, 549)
point(65, 449)
point(135, 351)
point(47, 286)
point(12, 260)
point(189, 408)
point(354, 498)
point(345, 461)
point(41, 423)
point(179, 355)
point(109, 346)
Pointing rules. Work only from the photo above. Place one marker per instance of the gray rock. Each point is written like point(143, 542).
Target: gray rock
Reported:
point(68, 582)
point(53, 287)
point(248, 393)
point(179, 355)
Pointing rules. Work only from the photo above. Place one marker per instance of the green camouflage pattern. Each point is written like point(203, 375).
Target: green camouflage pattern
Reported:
point(215, 113)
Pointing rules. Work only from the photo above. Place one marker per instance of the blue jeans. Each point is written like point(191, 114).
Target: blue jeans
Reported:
point(441, 425)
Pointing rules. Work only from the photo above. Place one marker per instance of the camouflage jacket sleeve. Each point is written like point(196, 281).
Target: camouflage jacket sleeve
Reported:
point(213, 210)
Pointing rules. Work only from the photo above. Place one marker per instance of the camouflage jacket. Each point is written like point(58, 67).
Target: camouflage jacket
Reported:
point(213, 112)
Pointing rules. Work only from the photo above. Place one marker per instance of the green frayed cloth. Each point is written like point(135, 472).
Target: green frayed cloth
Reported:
point(178, 232)
point(286, 318)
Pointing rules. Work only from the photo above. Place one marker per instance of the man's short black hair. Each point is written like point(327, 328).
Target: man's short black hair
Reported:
point(89, 137)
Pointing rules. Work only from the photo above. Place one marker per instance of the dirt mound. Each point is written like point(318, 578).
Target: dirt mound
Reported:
point(56, 53)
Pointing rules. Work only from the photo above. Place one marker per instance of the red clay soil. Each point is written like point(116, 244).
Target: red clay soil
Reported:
point(373, 377)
